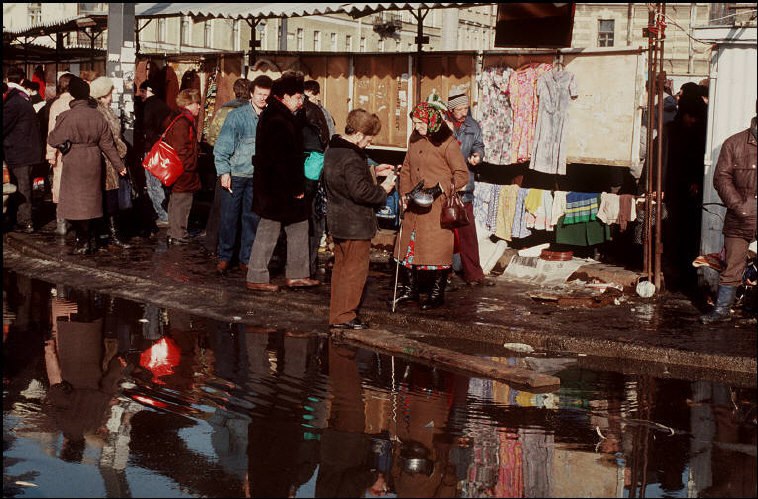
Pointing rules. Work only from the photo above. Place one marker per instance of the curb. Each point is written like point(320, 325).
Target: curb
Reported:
point(311, 315)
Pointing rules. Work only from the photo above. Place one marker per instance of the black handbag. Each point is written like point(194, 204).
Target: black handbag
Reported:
point(126, 194)
point(453, 211)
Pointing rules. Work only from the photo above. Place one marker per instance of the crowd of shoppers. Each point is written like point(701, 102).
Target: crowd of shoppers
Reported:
point(286, 178)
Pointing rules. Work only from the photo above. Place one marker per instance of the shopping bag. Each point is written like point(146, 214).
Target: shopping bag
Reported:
point(163, 161)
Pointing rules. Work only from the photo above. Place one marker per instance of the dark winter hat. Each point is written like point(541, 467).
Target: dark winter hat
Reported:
point(78, 88)
point(288, 84)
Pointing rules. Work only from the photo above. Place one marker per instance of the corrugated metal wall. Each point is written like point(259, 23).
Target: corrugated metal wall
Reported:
point(731, 105)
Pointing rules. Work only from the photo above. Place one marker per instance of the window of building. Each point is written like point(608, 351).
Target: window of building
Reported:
point(317, 40)
point(362, 47)
point(605, 29)
point(185, 31)
point(208, 34)
point(300, 37)
point(236, 34)
point(381, 45)
point(161, 29)
point(35, 13)
point(333, 42)
point(349, 43)
point(92, 8)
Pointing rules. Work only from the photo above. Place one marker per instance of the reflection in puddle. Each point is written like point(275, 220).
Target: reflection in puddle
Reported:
point(124, 399)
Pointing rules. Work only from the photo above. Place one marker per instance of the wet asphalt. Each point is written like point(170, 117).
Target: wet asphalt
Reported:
point(626, 333)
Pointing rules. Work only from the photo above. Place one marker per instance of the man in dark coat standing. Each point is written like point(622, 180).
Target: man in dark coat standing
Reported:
point(735, 181)
point(154, 113)
point(279, 188)
point(22, 145)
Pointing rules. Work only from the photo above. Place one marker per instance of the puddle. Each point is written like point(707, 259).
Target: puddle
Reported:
point(118, 399)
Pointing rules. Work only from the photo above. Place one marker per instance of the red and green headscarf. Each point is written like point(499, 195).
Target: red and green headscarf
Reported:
point(429, 115)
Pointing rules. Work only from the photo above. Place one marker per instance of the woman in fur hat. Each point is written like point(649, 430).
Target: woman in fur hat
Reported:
point(101, 89)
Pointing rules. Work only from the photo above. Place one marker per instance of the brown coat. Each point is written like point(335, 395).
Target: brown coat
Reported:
point(735, 181)
point(442, 163)
point(111, 176)
point(182, 137)
point(81, 196)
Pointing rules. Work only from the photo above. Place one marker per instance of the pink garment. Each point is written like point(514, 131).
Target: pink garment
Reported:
point(510, 481)
point(522, 86)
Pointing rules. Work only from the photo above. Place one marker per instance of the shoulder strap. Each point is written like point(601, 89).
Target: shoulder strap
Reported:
point(163, 135)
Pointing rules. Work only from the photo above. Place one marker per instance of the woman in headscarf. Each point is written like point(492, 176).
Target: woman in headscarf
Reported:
point(82, 134)
point(435, 164)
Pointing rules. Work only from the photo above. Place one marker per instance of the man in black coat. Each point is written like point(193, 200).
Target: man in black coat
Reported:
point(22, 147)
point(154, 112)
point(279, 188)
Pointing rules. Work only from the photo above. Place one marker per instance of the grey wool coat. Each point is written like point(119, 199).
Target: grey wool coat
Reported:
point(81, 196)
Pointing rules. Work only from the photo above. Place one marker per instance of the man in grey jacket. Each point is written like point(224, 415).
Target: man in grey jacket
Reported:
point(469, 135)
point(233, 154)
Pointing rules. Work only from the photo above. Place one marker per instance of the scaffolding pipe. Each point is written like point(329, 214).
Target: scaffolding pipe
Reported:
point(661, 79)
point(647, 248)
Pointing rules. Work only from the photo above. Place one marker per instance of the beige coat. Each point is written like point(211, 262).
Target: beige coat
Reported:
point(52, 155)
point(431, 163)
point(111, 176)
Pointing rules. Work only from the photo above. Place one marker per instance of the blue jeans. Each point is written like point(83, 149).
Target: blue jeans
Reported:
point(237, 211)
point(157, 195)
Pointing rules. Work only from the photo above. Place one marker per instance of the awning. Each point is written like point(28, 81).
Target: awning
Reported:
point(97, 22)
point(233, 10)
point(42, 54)
point(278, 10)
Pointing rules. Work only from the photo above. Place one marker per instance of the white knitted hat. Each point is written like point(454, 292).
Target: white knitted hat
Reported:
point(457, 97)
point(100, 87)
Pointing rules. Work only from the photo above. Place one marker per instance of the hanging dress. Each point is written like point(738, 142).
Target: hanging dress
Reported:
point(555, 89)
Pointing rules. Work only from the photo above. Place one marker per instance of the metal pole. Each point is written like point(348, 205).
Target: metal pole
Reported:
point(648, 159)
point(253, 23)
point(419, 47)
point(399, 238)
point(661, 78)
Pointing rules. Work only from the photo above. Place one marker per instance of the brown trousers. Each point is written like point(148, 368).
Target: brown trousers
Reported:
point(736, 256)
point(351, 259)
point(179, 207)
